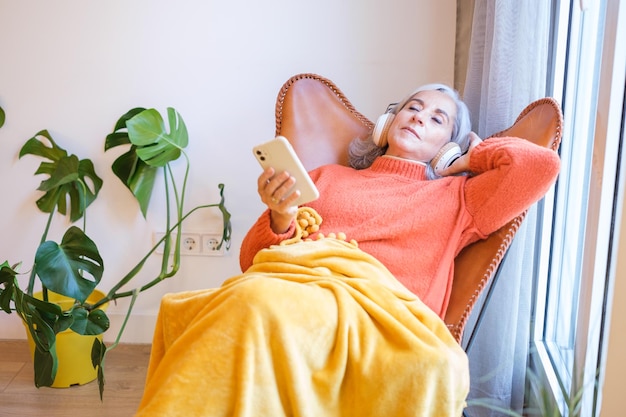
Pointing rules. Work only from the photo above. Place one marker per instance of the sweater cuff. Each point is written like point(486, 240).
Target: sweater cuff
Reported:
point(265, 223)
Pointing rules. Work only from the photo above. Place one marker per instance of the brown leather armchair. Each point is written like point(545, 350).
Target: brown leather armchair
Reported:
point(319, 121)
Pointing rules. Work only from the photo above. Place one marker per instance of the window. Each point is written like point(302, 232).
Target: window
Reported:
point(576, 249)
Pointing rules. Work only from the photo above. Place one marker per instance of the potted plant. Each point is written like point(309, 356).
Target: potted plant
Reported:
point(542, 397)
point(73, 268)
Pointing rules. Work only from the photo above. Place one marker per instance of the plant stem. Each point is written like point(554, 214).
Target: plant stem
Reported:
point(135, 294)
point(113, 294)
point(33, 272)
point(166, 238)
point(84, 208)
point(176, 261)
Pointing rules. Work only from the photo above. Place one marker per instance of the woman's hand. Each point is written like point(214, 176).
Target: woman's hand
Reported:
point(274, 192)
point(462, 164)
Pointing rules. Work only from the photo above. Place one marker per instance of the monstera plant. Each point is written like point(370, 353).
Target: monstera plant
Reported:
point(73, 268)
point(541, 397)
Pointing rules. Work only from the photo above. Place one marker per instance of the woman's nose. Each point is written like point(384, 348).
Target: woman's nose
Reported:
point(417, 118)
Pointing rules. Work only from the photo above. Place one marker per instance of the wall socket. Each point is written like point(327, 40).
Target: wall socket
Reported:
point(195, 244)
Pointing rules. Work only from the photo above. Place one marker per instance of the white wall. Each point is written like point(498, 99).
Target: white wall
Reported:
point(73, 67)
point(612, 387)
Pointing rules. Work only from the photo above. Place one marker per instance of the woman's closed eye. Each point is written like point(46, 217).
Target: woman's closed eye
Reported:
point(436, 119)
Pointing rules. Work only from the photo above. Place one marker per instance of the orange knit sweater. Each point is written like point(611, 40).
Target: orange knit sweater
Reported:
point(415, 226)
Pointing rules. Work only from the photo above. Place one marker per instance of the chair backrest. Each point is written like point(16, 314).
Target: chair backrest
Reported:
point(319, 121)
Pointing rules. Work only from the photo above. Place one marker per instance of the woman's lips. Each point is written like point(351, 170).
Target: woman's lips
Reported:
point(413, 132)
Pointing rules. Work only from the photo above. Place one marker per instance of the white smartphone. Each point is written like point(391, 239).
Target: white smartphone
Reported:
point(280, 155)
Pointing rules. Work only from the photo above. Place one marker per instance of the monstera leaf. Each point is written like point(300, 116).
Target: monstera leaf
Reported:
point(87, 322)
point(69, 178)
point(43, 320)
point(155, 145)
point(63, 268)
point(151, 147)
point(7, 285)
point(134, 173)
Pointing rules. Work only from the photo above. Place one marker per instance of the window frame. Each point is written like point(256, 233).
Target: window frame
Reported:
point(602, 212)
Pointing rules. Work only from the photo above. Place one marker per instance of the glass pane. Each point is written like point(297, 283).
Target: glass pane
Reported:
point(572, 194)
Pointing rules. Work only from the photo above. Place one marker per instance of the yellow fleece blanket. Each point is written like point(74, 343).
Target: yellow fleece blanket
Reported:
point(314, 328)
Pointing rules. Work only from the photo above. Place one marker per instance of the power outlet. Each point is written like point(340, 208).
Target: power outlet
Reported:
point(190, 244)
point(210, 243)
point(195, 244)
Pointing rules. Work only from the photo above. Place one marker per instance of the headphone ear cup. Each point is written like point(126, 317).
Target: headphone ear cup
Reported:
point(379, 135)
point(448, 153)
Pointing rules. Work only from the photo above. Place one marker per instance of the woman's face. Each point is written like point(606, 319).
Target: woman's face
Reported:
point(422, 126)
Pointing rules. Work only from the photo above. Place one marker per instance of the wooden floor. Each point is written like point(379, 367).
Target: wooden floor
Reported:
point(125, 374)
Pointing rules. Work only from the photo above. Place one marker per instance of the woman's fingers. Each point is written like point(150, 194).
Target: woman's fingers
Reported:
point(275, 190)
point(475, 140)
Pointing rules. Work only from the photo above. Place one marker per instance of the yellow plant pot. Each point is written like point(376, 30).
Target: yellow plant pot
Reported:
point(73, 349)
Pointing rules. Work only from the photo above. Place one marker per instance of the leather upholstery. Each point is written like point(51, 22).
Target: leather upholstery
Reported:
point(319, 121)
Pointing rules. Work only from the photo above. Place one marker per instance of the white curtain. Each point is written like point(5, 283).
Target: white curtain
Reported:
point(506, 70)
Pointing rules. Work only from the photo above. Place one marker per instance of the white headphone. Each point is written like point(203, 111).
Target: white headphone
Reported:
point(379, 135)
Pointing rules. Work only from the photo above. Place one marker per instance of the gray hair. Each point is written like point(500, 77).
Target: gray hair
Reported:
point(363, 152)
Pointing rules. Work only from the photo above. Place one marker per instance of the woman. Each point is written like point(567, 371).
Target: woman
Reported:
point(348, 327)
point(413, 225)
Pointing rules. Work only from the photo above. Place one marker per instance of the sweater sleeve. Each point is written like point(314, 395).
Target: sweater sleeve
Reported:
point(261, 236)
point(510, 174)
